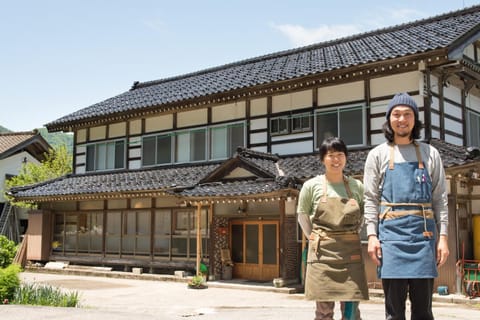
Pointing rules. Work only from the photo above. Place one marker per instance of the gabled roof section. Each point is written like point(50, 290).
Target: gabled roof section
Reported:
point(32, 142)
point(446, 32)
point(246, 164)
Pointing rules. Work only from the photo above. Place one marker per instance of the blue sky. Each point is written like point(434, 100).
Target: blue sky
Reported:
point(59, 56)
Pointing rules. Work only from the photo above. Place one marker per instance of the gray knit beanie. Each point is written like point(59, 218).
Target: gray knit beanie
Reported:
point(402, 99)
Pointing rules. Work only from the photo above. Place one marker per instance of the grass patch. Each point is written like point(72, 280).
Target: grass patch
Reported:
point(44, 295)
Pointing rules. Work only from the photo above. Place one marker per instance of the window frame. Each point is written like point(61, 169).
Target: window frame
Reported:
point(191, 145)
point(96, 151)
point(338, 111)
point(156, 137)
point(289, 123)
point(228, 141)
point(470, 135)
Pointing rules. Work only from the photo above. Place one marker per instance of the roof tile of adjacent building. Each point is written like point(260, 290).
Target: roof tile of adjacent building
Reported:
point(436, 33)
point(32, 141)
point(12, 139)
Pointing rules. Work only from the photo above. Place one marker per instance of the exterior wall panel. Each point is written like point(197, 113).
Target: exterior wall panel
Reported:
point(98, 133)
point(258, 107)
point(159, 123)
point(292, 101)
point(231, 111)
point(389, 85)
point(192, 118)
point(117, 130)
point(341, 93)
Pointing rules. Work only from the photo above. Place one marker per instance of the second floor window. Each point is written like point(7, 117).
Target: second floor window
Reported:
point(201, 144)
point(224, 140)
point(290, 124)
point(191, 145)
point(348, 123)
point(106, 155)
point(157, 150)
point(473, 129)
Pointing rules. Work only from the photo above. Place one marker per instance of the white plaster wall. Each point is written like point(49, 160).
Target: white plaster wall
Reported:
point(435, 119)
point(134, 164)
point(452, 125)
point(12, 166)
point(377, 139)
point(473, 102)
point(293, 136)
point(260, 149)
point(292, 148)
point(453, 110)
point(435, 104)
point(259, 137)
point(453, 140)
point(453, 93)
point(257, 124)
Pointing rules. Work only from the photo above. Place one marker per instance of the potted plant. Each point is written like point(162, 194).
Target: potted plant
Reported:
point(197, 282)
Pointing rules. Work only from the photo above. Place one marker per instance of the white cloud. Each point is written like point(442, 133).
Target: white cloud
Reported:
point(301, 36)
point(156, 25)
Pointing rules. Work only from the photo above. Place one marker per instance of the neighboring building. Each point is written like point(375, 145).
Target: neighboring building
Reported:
point(157, 169)
point(17, 148)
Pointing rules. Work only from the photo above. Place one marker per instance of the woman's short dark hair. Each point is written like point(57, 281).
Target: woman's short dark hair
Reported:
point(389, 134)
point(332, 144)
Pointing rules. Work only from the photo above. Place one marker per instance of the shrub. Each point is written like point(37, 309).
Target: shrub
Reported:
point(44, 295)
point(7, 251)
point(9, 282)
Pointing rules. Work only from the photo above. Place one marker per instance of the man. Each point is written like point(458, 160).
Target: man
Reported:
point(406, 212)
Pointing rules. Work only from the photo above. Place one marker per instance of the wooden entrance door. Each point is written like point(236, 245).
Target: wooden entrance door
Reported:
point(255, 249)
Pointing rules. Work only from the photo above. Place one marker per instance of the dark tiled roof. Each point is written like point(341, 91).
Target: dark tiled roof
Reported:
point(421, 36)
point(234, 188)
point(289, 172)
point(452, 155)
point(113, 182)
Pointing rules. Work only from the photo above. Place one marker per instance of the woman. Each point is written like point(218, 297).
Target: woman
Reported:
point(330, 215)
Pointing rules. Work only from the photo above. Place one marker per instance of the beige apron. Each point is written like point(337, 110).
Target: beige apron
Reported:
point(335, 268)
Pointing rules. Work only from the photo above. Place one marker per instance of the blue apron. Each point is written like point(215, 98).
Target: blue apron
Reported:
point(406, 227)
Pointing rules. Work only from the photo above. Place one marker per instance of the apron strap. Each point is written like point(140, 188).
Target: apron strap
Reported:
point(345, 182)
point(419, 155)
point(391, 162)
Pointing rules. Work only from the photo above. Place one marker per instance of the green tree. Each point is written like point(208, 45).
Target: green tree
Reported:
point(58, 163)
point(7, 251)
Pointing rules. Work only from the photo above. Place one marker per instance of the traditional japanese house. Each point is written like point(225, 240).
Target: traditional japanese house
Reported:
point(178, 170)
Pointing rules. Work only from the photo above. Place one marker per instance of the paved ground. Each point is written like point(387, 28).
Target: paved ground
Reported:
point(119, 298)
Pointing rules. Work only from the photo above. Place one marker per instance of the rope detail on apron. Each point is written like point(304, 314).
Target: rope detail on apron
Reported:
point(426, 212)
